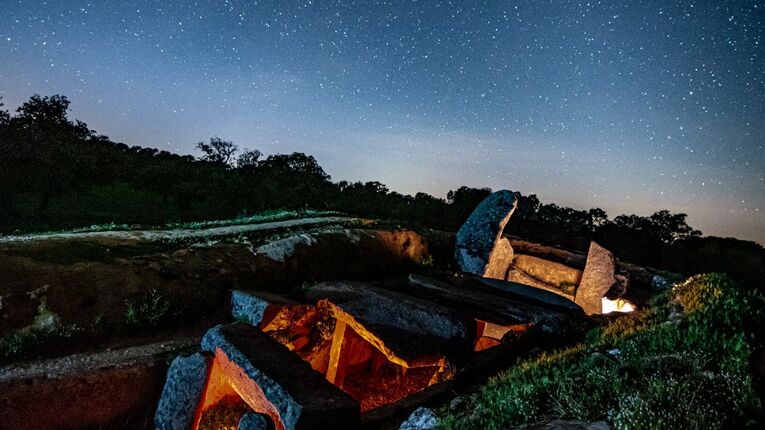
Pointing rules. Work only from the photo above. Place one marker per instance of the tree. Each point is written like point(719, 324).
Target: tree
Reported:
point(5, 117)
point(43, 138)
point(249, 159)
point(218, 151)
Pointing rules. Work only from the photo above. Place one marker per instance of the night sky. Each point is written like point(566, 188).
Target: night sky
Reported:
point(631, 106)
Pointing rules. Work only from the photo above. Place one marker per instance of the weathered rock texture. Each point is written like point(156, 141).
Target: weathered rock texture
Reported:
point(500, 302)
point(183, 390)
point(479, 248)
point(411, 328)
point(421, 419)
point(549, 272)
point(597, 279)
point(274, 381)
point(500, 260)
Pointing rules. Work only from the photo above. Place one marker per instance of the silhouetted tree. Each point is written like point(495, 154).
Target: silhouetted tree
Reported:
point(217, 151)
point(249, 159)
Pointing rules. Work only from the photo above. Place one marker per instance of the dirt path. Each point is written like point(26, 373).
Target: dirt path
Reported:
point(153, 235)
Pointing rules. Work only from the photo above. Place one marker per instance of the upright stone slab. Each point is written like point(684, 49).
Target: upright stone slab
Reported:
point(597, 278)
point(479, 249)
point(182, 392)
point(500, 260)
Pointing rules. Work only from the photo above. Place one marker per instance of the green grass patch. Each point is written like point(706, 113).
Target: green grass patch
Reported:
point(682, 363)
point(147, 310)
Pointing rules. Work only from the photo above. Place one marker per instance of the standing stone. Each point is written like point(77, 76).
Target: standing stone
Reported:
point(480, 248)
point(182, 392)
point(597, 278)
point(500, 260)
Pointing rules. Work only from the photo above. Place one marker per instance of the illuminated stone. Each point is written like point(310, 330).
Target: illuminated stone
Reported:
point(598, 277)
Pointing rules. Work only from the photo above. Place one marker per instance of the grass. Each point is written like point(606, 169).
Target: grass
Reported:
point(682, 363)
point(147, 310)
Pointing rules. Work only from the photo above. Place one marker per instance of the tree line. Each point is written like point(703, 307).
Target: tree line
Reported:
point(56, 173)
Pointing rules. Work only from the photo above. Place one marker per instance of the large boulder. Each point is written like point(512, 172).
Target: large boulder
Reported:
point(598, 277)
point(480, 249)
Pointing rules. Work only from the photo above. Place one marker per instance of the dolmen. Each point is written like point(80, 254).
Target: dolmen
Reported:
point(482, 250)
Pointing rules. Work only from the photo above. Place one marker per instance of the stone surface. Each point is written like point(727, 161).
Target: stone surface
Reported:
point(598, 277)
point(409, 326)
point(301, 396)
point(183, 390)
point(477, 239)
point(247, 307)
point(521, 277)
point(255, 421)
point(499, 302)
point(421, 419)
point(520, 292)
point(552, 273)
point(500, 261)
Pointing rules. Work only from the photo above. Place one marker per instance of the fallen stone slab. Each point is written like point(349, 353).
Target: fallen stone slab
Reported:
point(498, 306)
point(523, 293)
point(598, 277)
point(556, 274)
point(274, 381)
point(182, 393)
point(521, 277)
point(479, 248)
point(409, 327)
point(641, 277)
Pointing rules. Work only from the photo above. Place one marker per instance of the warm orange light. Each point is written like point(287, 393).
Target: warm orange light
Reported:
point(227, 379)
point(618, 305)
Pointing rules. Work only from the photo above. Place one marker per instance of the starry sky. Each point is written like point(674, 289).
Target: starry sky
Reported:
point(631, 106)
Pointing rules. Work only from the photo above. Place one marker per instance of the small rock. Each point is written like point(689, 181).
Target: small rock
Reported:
point(421, 419)
point(457, 404)
point(46, 322)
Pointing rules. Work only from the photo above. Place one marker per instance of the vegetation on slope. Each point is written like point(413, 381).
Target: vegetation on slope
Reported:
point(682, 363)
point(56, 173)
